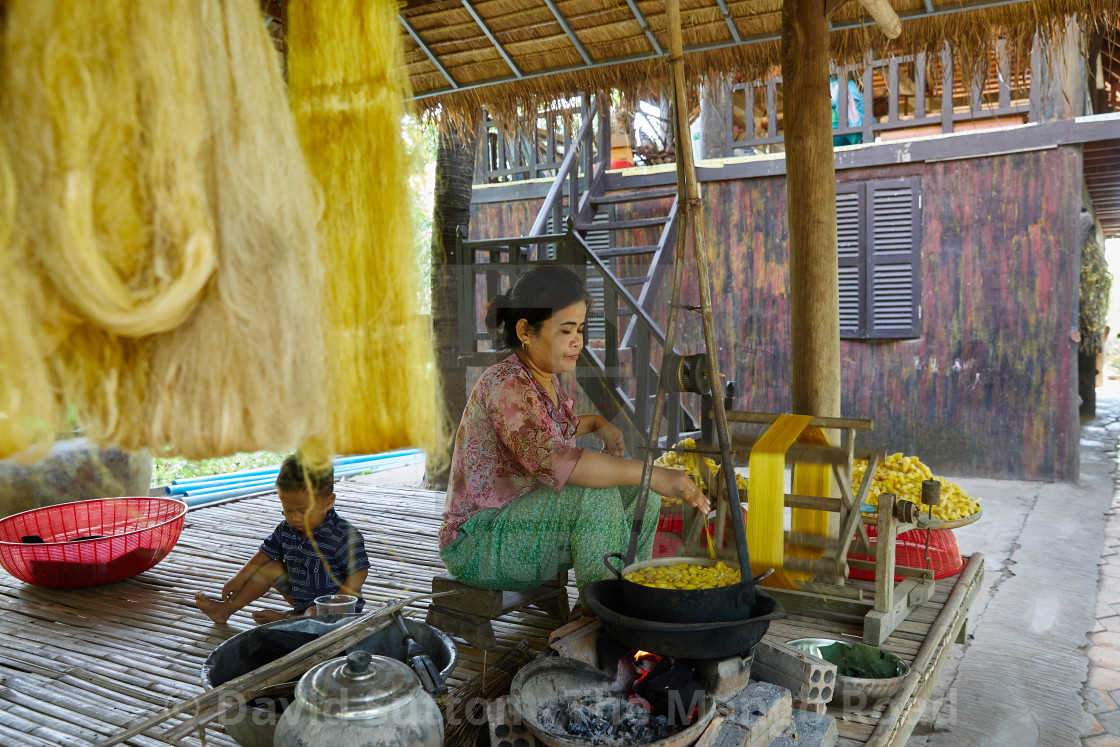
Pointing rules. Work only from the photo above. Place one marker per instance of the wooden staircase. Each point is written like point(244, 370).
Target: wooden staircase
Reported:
point(622, 244)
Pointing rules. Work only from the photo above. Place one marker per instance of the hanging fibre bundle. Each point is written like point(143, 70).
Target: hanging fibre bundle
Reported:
point(346, 74)
point(167, 211)
point(248, 369)
point(28, 405)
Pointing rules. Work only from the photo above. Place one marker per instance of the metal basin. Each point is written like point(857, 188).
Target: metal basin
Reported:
point(710, 640)
point(539, 681)
point(254, 724)
point(858, 693)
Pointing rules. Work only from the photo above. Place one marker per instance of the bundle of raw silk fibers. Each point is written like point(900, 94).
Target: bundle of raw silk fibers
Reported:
point(347, 80)
point(28, 407)
point(766, 499)
point(165, 208)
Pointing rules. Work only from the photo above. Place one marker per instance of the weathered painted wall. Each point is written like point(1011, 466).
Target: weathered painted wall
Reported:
point(990, 386)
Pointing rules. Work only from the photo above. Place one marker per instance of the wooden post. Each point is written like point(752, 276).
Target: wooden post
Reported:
point(688, 195)
point(811, 196)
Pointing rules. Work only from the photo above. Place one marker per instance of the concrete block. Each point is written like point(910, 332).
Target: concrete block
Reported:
point(724, 678)
point(801, 689)
point(577, 640)
point(506, 729)
point(808, 729)
point(756, 716)
point(813, 707)
point(809, 678)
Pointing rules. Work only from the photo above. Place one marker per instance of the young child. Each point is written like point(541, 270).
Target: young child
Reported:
point(313, 552)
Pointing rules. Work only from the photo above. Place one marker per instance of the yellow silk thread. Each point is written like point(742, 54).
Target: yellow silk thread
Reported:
point(766, 499)
point(347, 77)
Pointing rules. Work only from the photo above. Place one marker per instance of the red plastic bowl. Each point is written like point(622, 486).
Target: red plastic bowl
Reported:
point(136, 533)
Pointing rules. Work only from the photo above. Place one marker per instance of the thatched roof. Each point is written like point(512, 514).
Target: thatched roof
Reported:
point(504, 54)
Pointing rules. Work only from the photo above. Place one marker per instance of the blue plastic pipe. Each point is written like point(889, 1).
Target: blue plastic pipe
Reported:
point(206, 494)
point(260, 471)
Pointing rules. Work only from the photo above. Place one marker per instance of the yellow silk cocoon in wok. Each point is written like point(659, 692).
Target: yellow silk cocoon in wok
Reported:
point(165, 209)
point(347, 78)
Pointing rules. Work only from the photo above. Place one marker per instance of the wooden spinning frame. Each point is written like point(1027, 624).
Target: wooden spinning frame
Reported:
point(829, 592)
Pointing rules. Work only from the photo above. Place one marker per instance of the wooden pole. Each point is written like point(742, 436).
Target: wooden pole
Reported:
point(694, 217)
point(811, 195)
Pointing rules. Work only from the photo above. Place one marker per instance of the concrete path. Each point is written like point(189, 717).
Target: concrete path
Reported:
point(1042, 659)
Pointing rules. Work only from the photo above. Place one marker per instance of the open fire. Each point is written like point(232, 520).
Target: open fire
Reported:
point(651, 698)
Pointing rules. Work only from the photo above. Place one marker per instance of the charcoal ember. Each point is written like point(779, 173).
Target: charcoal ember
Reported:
point(603, 719)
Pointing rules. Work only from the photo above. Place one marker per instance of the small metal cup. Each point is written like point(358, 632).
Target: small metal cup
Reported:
point(336, 604)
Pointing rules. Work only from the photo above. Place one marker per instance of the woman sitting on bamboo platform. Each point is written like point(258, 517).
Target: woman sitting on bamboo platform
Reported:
point(524, 503)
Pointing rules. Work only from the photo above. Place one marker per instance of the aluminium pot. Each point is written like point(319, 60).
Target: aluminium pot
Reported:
point(720, 604)
point(254, 724)
point(360, 701)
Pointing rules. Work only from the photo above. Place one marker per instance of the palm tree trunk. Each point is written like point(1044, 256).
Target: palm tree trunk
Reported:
point(455, 162)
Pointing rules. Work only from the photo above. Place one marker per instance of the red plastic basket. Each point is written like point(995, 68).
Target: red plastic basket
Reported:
point(136, 533)
point(910, 550)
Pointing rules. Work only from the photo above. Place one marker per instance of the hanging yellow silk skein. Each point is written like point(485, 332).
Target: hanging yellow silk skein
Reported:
point(252, 355)
point(766, 498)
point(165, 207)
point(28, 406)
point(347, 80)
point(816, 480)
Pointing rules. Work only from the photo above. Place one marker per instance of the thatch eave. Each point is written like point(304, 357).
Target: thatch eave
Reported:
point(621, 55)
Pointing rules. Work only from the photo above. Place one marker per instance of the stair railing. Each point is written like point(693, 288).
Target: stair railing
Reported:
point(577, 168)
point(606, 382)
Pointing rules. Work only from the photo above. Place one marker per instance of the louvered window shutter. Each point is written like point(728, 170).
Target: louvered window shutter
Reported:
point(893, 263)
point(878, 231)
point(849, 229)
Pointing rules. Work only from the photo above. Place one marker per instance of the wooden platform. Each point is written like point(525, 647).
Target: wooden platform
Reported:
point(77, 666)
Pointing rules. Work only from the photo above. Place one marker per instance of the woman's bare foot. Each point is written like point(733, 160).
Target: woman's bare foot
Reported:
point(267, 616)
point(219, 612)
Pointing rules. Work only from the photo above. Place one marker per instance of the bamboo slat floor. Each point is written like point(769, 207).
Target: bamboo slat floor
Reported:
point(77, 666)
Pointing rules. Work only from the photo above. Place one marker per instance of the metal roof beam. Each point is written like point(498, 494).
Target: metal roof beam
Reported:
point(435, 60)
point(729, 20)
point(904, 16)
point(493, 39)
point(560, 19)
point(644, 24)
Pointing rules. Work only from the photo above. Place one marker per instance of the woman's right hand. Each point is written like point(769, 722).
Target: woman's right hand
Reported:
point(673, 483)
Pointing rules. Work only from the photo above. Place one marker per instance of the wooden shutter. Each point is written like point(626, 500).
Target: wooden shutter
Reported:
point(849, 225)
point(893, 262)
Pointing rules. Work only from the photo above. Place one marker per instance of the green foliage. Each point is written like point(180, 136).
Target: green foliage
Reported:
point(1096, 287)
point(177, 468)
point(420, 137)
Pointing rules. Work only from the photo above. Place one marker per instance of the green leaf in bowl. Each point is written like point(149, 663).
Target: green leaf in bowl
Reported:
point(862, 661)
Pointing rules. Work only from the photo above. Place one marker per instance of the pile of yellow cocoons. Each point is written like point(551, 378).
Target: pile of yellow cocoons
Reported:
point(690, 462)
point(685, 576)
point(903, 476)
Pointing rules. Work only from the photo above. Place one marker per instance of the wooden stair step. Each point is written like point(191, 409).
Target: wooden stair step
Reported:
point(622, 225)
point(627, 251)
point(636, 195)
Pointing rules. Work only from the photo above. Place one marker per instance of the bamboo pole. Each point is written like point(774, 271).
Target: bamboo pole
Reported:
point(811, 195)
point(693, 211)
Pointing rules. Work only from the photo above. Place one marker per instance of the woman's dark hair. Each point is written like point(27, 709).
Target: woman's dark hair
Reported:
point(294, 475)
point(535, 297)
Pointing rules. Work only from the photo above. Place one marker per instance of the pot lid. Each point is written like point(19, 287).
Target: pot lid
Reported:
point(359, 686)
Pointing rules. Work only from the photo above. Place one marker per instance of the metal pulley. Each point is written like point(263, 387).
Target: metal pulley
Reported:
point(687, 373)
point(931, 492)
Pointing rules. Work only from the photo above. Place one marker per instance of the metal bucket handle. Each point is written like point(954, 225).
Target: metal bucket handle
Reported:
point(621, 560)
point(753, 583)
